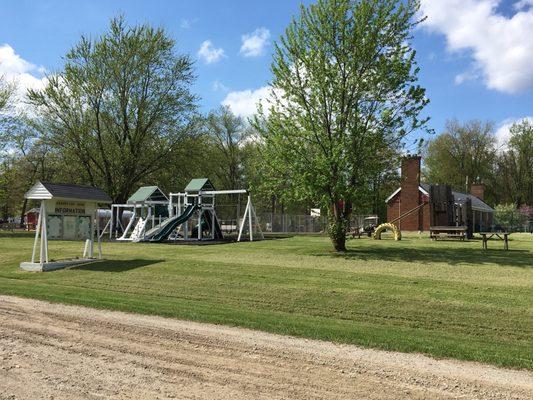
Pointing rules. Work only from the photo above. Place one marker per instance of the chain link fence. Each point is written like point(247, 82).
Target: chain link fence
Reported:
point(301, 223)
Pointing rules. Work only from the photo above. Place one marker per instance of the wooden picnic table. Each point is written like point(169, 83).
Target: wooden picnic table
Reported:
point(449, 231)
point(500, 235)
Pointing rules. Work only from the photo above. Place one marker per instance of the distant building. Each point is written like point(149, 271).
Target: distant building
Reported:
point(413, 193)
point(31, 218)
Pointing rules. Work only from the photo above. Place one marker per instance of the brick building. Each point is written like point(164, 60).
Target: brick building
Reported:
point(413, 193)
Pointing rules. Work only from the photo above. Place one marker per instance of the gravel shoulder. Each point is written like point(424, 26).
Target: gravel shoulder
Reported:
point(56, 351)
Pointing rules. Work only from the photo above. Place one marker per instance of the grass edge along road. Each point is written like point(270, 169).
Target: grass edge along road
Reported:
point(446, 299)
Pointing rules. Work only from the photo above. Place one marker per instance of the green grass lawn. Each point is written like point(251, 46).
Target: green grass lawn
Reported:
point(446, 298)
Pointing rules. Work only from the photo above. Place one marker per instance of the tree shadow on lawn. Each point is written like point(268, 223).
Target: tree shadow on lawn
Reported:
point(450, 256)
point(117, 265)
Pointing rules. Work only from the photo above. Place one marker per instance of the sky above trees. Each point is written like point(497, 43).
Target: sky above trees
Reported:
point(475, 55)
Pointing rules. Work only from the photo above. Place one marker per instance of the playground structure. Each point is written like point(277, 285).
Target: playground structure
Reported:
point(148, 206)
point(391, 224)
point(449, 216)
point(186, 216)
point(385, 227)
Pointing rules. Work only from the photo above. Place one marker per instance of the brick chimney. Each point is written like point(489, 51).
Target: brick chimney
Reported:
point(410, 196)
point(478, 190)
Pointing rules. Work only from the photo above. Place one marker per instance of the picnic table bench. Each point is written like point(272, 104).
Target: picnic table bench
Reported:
point(500, 235)
point(450, 231)
point(358, 233)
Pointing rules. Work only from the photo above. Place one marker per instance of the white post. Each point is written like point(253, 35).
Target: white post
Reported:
point(87, 241)
point(91, 244)
point(37, 232)
point(249, 206)
point(45, 234)
point(118, 221)
point(256, 220)
point(98, 234)
point(43, 256)
point(200, 224)
point(213, 223)
point(111, 221)
point(241, 228)
point(200, 216)
point(186, 223)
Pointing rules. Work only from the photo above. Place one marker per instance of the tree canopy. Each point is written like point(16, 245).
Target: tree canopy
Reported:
point(121, 105)
point(515, 165)
point(463, 154)
point(344, 95)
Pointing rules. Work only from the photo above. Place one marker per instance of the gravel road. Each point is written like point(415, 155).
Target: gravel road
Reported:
point(55, 351)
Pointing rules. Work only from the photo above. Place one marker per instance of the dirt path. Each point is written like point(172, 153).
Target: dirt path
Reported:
point(53, 351)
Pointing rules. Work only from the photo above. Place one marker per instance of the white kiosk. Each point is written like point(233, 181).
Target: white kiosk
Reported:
point(67, 212)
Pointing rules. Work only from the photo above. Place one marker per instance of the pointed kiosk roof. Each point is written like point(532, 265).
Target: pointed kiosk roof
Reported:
point(146, 194)
point(65, 191)
point(199, 184)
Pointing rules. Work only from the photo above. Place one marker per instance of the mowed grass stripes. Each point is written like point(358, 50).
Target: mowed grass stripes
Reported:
point(445, 298)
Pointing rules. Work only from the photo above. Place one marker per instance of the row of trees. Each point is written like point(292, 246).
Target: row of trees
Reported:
point(344, 97)
point(467, 153)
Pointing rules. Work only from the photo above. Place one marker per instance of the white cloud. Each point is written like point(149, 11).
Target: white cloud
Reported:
point(465, 76)
point(501, 47)
point(22, 73)
point(209, 53)
point(185, 23)
point(219, 87)
point(522, 4)
point(244, 103)
point(254, 44)
point(502, 133)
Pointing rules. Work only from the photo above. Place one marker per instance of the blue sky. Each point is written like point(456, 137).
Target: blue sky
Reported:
point(476, 56)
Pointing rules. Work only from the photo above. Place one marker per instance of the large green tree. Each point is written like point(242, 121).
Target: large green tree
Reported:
point(7, 91)
point(463, 154)
point(227, 134)
point(120, 107)
point(515, 165)
point(344, 93)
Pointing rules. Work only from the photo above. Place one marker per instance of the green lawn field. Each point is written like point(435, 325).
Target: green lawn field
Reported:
point(445, 298)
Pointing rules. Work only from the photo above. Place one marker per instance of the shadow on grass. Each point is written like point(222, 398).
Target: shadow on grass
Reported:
point(513, 258)
point(117, 265)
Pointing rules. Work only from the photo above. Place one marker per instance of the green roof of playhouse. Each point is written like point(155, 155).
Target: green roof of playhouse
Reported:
point(195, 185)
point(147, 194)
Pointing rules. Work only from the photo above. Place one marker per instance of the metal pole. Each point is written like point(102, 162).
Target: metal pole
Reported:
point(250, 218)
point(241, 228)
point(256, 219)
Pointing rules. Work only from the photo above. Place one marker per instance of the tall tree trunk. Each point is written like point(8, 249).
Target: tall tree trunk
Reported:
point(338, 223)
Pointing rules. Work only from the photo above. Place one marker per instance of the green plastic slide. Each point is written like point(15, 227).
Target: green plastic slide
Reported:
point(161, 232)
